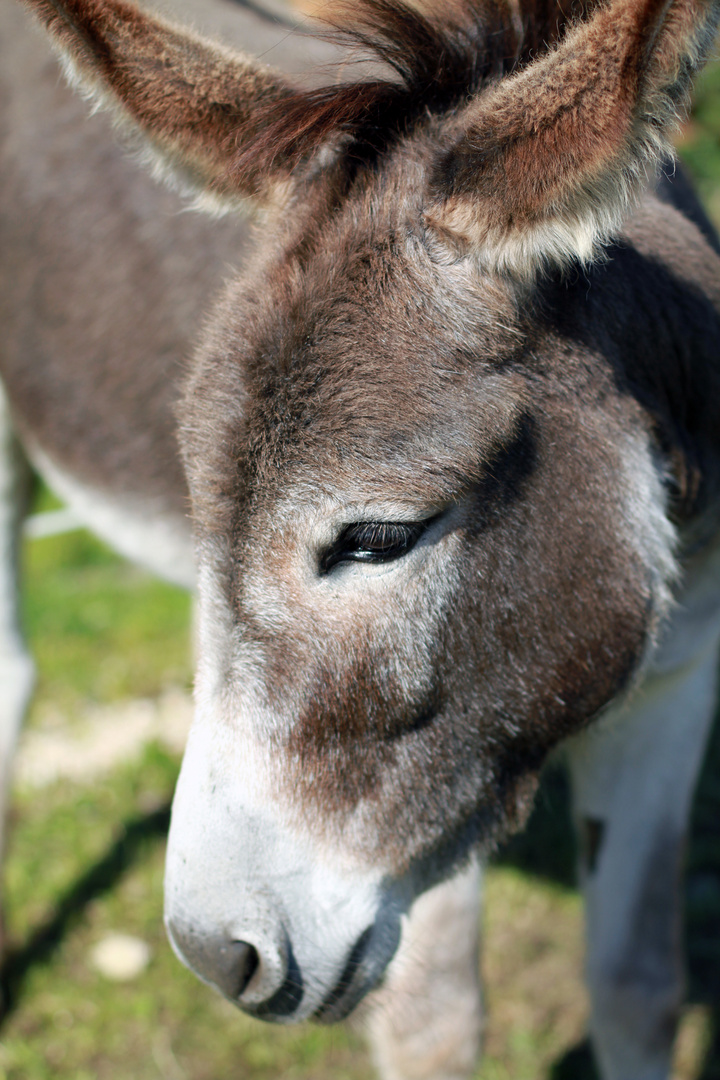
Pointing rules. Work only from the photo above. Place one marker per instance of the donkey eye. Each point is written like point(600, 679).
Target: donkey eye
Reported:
point(373, 541)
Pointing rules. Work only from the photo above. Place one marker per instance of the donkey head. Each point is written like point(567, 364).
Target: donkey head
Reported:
point(432, 537)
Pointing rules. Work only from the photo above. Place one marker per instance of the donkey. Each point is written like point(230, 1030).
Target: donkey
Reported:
point(451, 446)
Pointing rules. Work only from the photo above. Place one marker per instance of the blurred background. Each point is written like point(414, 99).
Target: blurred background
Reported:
point(90, 988)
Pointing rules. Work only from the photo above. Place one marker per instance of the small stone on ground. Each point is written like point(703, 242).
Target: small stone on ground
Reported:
point(120, 957)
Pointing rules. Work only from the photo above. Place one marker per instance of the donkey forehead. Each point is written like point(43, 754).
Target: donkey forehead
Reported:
point(371, 435)
point(368, 351)
point(368, 275)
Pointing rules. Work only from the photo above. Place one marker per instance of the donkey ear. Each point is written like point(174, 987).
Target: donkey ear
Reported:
point(549, 160)
point(198, 105)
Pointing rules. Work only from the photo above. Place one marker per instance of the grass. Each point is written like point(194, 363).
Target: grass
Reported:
point(86, 861)
point(100, 628)
point(700, 144)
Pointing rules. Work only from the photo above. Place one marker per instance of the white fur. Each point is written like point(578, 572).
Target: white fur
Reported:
point(16, 666)
point(140, 529)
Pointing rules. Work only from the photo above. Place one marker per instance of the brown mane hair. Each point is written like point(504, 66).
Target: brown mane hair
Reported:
point(434, 64)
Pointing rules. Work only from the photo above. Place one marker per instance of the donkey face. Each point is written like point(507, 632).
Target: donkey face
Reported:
point(431, 535)
point(408, 594)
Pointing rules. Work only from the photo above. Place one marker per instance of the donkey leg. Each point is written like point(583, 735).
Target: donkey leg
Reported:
point(425, 1022)
point(16, 666)
point(633, 782)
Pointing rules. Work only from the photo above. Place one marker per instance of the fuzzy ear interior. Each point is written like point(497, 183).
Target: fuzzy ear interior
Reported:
point(549, 160)
point(196, 104)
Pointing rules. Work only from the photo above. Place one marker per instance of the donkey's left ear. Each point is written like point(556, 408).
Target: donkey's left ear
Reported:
point(550, 159)
point(202, 110)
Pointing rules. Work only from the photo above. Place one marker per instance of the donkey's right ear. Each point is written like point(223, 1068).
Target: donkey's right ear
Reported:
point(549, 160)
point(201, 108)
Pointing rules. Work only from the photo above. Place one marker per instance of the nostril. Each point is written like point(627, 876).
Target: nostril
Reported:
point(226, 963)
point(236, 964)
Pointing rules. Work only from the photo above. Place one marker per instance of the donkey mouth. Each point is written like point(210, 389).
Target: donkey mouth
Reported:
point(352, 985)
point(341, 1002)
point(365, 967)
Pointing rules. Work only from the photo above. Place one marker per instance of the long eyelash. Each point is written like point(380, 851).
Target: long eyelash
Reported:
point(380, 535)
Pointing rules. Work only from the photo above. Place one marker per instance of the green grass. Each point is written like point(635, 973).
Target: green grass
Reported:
point(100, 628)
point(85, 861)
point(700, 146)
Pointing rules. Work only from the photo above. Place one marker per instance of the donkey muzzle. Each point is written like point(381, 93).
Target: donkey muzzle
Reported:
point(276, 920)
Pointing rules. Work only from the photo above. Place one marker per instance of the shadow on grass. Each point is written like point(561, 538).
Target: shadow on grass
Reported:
point(579, 1062)
point(98, 879)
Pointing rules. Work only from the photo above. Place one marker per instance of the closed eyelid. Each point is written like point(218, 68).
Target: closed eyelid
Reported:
point(372, 541)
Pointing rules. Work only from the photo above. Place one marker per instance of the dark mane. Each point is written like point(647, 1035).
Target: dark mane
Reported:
point(434, 63)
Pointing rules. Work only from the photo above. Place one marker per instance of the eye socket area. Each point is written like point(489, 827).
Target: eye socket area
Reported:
point(373, 542)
